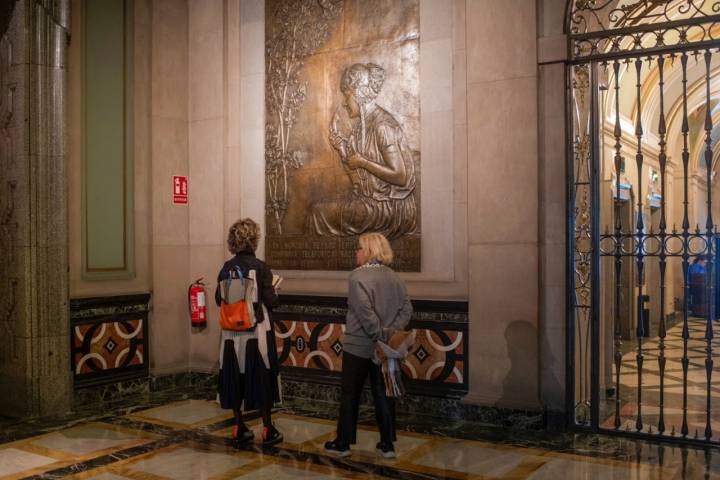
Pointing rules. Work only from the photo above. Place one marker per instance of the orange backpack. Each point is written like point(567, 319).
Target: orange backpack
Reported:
point(237, 316)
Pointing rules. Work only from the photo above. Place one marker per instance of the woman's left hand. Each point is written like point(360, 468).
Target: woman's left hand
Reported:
point(380, 353)
point(356, 161)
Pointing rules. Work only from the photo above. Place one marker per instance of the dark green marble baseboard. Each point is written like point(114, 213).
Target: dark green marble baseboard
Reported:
point(304, 394)
point(307, 394)
point(187, 384)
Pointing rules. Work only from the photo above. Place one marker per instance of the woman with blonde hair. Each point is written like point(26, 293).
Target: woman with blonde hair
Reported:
point(248, 358)
point(378, 305)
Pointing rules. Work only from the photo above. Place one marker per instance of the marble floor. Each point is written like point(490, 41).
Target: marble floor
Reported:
point(673, 400)
point(189, 440)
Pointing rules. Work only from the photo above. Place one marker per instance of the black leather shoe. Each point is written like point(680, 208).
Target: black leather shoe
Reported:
point(338, 449)
point(271, 436)
point(386, 449)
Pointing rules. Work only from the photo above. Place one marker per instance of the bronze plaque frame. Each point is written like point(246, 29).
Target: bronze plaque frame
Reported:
point(342, 131)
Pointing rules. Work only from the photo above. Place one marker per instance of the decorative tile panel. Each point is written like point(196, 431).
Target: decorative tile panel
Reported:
point(109, 339)
point(309, 334)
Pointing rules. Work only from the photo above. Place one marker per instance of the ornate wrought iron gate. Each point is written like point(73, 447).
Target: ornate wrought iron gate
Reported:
point(644, 82)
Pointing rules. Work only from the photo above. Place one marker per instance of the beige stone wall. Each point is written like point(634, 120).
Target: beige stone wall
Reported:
point(503, 229)
point(169, 332)
point(552, 178)
point(443, 146)
point(239, 186)
point(207, 162)
point(493, 178)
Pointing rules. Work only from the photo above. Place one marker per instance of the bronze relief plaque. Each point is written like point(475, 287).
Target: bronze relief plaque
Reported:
point(342, 130)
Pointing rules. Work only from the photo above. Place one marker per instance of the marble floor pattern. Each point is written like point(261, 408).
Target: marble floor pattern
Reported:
point(189, 440)
point(673, 383)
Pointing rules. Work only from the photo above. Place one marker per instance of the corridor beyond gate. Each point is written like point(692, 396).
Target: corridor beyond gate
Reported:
point(696, 384)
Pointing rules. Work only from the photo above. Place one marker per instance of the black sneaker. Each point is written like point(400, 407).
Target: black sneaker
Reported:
point(241, 436)
point(271, 436)
point(385, 449)
point(338, 449)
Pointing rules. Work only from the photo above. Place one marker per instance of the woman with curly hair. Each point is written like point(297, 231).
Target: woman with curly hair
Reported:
point(248, 359)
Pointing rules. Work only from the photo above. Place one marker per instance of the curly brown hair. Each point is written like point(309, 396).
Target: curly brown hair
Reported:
point(243, 236)
point(363, 81)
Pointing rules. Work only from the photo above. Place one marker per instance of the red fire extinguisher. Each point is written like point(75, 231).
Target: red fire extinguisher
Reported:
point(196, 303)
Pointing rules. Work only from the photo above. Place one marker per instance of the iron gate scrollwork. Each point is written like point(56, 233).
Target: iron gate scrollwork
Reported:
point(642, 237)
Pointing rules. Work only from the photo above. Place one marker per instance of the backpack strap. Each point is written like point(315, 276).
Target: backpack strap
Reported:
point(257, 302)
point(226, 284)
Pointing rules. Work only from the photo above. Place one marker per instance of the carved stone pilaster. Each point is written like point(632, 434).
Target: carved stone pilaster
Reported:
point(34, 350)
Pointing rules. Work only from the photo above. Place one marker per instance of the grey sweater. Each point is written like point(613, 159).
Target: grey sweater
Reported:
point(377, 303)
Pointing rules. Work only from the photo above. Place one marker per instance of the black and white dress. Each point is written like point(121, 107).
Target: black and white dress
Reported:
point(249, 367)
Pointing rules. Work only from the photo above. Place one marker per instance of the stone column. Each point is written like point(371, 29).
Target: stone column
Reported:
point(552, 50)
point(35, 375)
point(170, 331)
point(502, 116)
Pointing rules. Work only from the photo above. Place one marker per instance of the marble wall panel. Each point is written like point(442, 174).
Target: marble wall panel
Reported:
point(252, 88)
point(458, 26)
point(170, 335)
point(169, 59)
point(460, 166)
point(503, 202)
point(491, 55)
point(503, 325)
point(233, 172)
point(205, 59)
point(17, 389)
point(436, 20)
point(459, 87)
point(552, 347)
point(15, 209)
point(436, 76)
point(206, 182)
point(503, 174)
point(553, 228)
point(33, 299)
point(551, 17)
point(205, 261)
point(169, 157)
point(51, 287)
point(206, 81)
point(51, 381)
point(252, 31)
point(204, 17)
point(460, 216)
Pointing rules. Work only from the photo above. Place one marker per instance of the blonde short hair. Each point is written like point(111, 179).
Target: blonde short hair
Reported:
point(377, 247)
point(243, 236)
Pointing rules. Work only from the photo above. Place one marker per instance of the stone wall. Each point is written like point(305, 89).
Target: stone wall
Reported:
point(493, 178)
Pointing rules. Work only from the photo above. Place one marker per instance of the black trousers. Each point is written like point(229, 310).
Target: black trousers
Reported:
point(354, 372)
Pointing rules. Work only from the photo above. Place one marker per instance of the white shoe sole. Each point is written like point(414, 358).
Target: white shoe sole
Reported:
point(337, 453)
point(388, 455)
